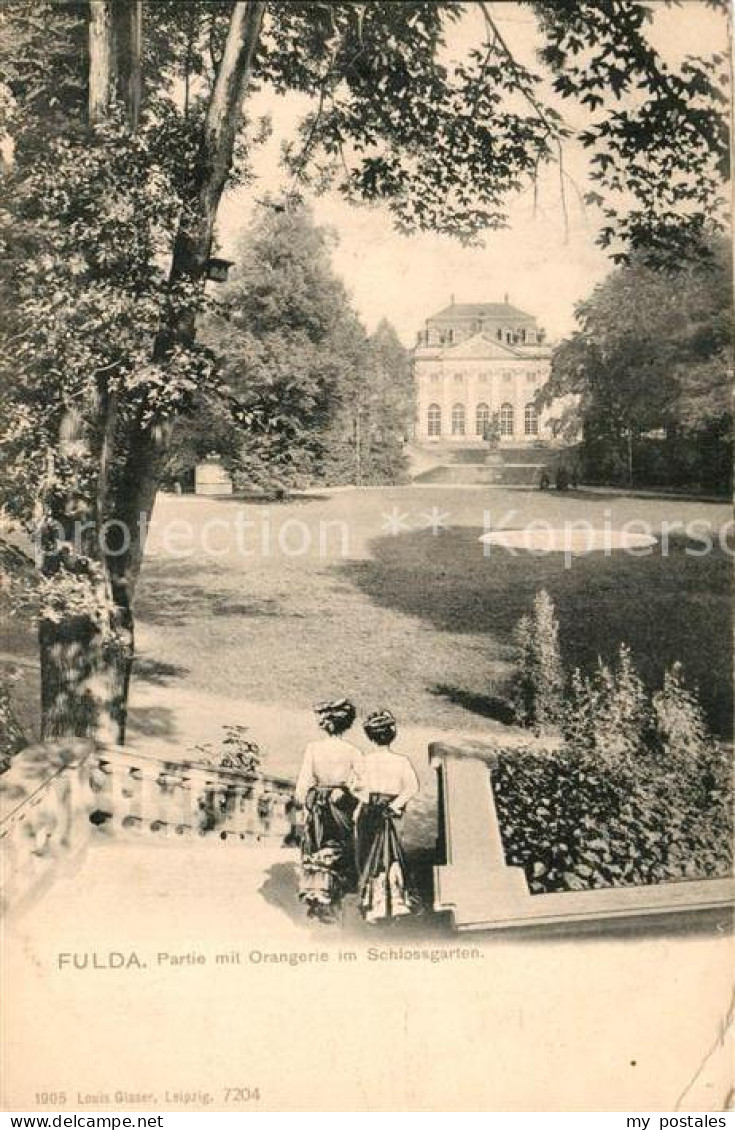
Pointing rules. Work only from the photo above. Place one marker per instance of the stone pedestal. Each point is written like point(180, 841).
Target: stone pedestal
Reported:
point(211, 478)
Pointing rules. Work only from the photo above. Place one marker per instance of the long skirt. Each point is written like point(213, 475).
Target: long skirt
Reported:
point(327, 850)
point(385, 888)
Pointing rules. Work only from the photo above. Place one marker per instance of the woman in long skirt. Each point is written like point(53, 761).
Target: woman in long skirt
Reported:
point(387, 783)
point(325, 786)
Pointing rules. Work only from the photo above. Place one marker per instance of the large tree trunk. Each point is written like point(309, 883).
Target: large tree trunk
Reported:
point(138, 483)
point(68, 700)
point(129, 41)
point(85, 660)
point(102, 65)
point(85, 677)
point(115, 45)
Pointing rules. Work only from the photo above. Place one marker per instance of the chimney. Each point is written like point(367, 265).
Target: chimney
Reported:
point(451, 300)
point(505, 298)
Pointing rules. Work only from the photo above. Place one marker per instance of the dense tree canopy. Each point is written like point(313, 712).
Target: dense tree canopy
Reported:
point(303, 395)
point(366, 442)
point(123, 121)
point(653, 351)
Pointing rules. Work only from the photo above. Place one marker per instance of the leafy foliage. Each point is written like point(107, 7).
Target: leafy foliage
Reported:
point(12, 738)
point(443, 144)
point(637, 792)
point(285, 339)
point(539, 686)
point(446, 143)
point(308, 397)
point(572, 825)
point(236, 751)
point(653, 351)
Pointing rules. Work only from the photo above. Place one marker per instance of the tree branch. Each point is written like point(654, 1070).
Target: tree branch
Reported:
point(517, 70)
point(194, 238)
point(323, 86)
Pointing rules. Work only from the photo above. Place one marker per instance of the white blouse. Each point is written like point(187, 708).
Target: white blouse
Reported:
point(386, 772)
point(330, 761)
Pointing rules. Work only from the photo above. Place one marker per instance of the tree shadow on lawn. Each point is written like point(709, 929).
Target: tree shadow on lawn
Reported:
point(666, 608)
point(151, 722)
point(156, 672)
point(173, 593)
point(486, 705)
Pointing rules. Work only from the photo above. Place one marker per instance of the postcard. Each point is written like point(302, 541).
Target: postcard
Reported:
point(366, 675)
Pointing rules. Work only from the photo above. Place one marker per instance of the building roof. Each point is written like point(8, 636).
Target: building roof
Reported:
point(482, 347)
point(502, 311)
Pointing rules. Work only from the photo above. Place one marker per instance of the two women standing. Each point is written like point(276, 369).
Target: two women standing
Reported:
point(351, 803)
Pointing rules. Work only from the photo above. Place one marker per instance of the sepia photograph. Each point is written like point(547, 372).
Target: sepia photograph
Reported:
point(366, 558)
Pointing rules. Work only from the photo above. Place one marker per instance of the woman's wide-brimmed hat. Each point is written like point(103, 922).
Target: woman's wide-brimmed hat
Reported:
point(380, 726)
point(340, 712)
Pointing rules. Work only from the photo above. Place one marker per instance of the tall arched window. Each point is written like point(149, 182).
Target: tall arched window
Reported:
point(506, 419)
point(482, 419)
point(434, 420)
point(458, 420)
point(530, 420)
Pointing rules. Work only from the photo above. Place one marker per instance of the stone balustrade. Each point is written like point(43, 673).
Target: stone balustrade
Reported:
point(135, 792)
point(56, 798)
point(44, 816)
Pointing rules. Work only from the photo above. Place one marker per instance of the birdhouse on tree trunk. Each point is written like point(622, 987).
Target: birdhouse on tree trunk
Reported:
point(218, 269)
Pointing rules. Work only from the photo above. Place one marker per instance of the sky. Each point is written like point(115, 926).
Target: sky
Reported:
point(542, 268)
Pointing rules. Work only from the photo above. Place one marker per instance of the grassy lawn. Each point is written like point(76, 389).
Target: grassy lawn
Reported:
point(256, 632)
point(415, 620)
point(418, 621)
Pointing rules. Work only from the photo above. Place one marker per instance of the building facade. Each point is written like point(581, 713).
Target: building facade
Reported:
point(477, 369)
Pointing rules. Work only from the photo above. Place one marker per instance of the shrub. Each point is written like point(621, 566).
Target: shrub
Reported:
point(681, 726)
point(580, 711)
point(610, 717)
point(236, 752)
point(572, 826)
point(539, 687)
point(639, 791)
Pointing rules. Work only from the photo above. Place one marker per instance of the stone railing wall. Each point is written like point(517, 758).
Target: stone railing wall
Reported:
point(473, 882)
point(135, 792)
point(56, 798)
point(44, 816)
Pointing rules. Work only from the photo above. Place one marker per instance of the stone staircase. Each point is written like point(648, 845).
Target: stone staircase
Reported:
point(447, 464)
